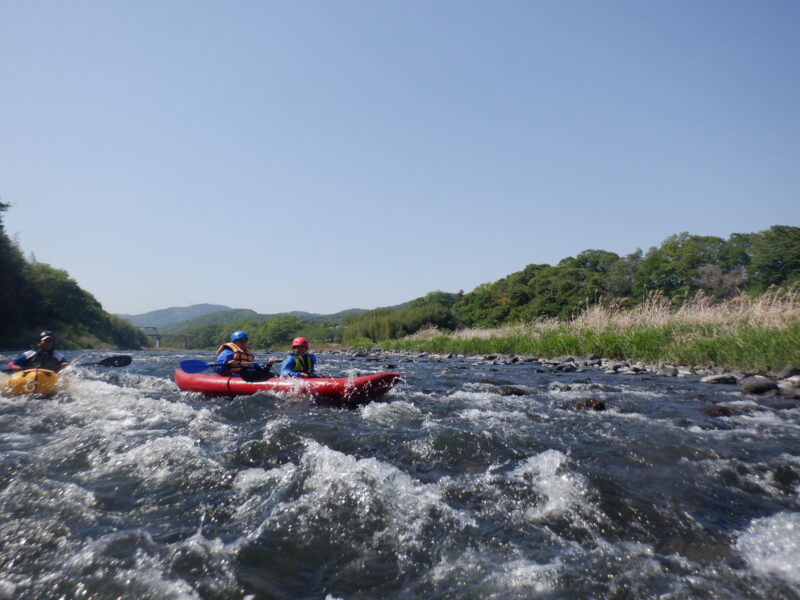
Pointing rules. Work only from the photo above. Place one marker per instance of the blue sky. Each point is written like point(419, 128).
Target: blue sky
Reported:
point(320, 156)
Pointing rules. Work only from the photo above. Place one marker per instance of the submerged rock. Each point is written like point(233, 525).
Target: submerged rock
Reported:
point(589, 404)
point(557, 386)
point(786, 477)
point(510, 390)
point(718, 411)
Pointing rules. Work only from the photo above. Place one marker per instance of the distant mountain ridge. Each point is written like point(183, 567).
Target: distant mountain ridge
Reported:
point(182, 319)
point(168, 316)
point(243, 314)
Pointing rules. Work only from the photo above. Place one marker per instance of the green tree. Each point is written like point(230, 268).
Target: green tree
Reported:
point(676, 267)
point(597, 261)
point(775, 257)
point(278, 331)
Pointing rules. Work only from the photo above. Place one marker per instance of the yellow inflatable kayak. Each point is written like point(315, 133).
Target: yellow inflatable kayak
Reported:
point(35, 382)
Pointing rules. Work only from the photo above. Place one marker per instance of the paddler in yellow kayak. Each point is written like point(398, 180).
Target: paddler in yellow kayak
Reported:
point(35, 372)
point(43, 356)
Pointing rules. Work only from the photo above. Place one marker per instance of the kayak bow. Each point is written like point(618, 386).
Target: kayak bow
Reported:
point(34, 382)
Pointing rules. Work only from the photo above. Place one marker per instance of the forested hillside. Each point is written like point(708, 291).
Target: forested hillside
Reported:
point(680, 267)
point(35, 296)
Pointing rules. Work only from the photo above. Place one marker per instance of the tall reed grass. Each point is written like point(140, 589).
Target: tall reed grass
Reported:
point(750, 333)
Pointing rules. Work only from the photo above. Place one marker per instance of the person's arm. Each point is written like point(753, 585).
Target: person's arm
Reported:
point(63, 363)
point(221, 364)
point(19, 363)
point(287, 366)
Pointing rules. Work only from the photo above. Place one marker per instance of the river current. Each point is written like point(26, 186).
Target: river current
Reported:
point(469, 480)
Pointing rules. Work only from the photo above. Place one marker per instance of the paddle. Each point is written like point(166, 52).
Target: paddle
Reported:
point(195, 366)
point(121, 360)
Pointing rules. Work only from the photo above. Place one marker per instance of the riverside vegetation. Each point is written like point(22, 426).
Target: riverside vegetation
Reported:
point(35, 296)
point(694, 300)
point(759, 334)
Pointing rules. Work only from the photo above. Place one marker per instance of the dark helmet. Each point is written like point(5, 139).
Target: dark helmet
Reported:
point(46, 334)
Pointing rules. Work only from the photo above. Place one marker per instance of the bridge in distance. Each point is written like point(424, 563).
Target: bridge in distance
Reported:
point(170, 340)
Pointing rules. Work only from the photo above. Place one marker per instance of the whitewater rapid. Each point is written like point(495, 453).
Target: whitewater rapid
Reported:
point(468, 480)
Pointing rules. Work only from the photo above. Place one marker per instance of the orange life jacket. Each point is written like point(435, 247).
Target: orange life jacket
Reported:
point(238, 354)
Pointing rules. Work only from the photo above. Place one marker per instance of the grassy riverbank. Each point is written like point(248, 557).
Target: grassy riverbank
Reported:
point(759, 334)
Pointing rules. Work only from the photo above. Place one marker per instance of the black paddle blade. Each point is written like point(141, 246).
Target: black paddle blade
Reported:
point(115, 361)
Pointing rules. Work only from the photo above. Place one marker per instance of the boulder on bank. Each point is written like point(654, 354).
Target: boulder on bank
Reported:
point(721, 378)
point(757, 384)
point(788, 371)
point(667, 371)
point(510, 390)
point(790, 387)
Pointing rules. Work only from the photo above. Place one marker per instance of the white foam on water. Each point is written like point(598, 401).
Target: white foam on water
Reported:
point(494, 419)
point(471, 398)
point(759, 474)
point(771, 545)
point(147, 580)
point(123, 430)
point(739, 403)
point(205, 426)
point(7, 589)
point(159, 460)
point(392, 414)
point(521, 575)
point(329, 481)
point(768, 418)
point(330, 474)
point(745, 435)
point(67, 500)
point(248, 480)
point(495, 578)
point(260, 491)
point(144, 570)
point(622, 415)
point(120, 408)
point(563, 491)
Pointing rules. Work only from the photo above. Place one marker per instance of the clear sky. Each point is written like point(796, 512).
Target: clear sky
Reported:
point(319, 156)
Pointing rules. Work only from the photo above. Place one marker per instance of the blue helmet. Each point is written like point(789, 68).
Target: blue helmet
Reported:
point(239, 335)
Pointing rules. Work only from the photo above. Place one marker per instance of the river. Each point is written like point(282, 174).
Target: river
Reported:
point(469, 480)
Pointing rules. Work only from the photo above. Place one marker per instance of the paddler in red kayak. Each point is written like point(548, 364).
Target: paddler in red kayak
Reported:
point(299, 363)
point(234, 357)
point(43, 356)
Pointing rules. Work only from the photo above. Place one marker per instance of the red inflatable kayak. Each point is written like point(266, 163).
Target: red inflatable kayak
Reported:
point(337, 390)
